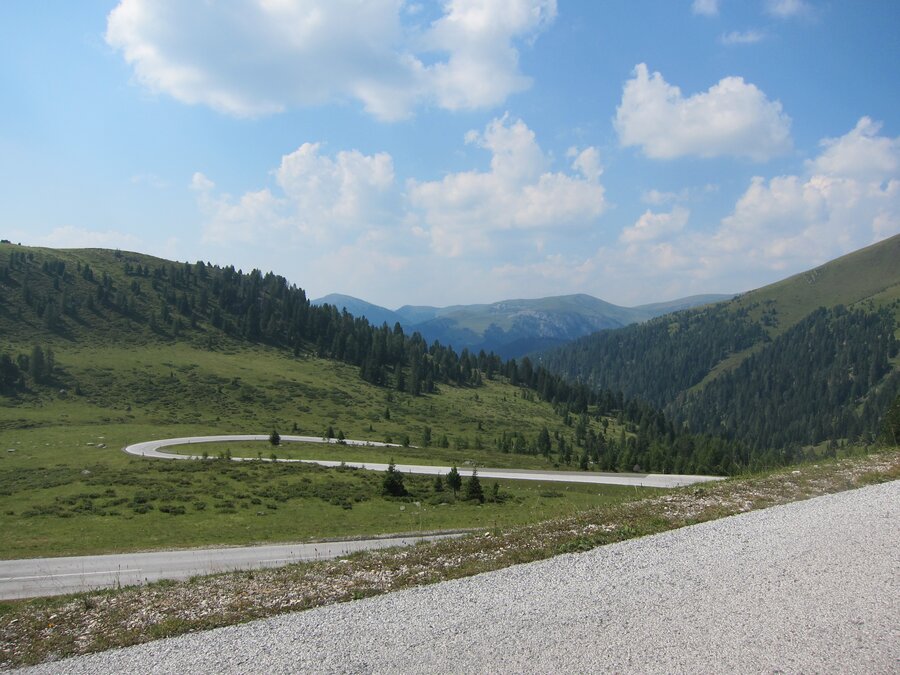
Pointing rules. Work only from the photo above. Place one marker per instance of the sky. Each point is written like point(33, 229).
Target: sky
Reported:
point(455, 152)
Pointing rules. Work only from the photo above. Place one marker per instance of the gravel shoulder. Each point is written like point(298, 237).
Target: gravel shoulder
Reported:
point(812, 586)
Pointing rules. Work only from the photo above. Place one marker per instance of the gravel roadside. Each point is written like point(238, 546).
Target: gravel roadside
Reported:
point(812, 586)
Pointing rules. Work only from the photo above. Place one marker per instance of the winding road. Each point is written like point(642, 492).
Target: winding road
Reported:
point(54, 576)
point(656, 480)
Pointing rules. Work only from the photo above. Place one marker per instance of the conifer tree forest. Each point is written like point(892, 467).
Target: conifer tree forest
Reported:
point(828, 377)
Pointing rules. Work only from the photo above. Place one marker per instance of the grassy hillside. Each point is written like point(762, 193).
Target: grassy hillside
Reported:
point(134, 348)
point(869, 274)
point(67, 488)
point(805, 360)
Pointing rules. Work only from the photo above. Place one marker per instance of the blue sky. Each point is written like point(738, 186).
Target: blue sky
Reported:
point(459, 151)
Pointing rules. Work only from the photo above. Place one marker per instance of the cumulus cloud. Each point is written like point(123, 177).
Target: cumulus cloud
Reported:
point(652, 225)
point(357, 226)
point(849, 197)
point(518, 192)
point(482, 67)
point(264, 56)
point(346, 190)
point(733, 118)
point(244, 220)
point(320, 196)
point(705, 7)
point(861, 154)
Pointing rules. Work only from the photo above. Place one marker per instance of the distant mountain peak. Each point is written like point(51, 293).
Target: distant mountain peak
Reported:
point(514, 327)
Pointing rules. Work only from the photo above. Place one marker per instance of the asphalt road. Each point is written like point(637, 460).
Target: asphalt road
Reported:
point(658, 480)
point(56, 576)
point(807, 587)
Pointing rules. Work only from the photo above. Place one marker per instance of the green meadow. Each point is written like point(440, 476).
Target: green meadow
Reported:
point(66, 487)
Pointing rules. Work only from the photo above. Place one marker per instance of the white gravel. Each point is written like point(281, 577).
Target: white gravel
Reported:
point(812, 586)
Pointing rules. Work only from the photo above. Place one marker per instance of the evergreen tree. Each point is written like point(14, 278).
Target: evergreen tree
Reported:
point(275, 438)
point(454, 480)
point(392, 485)
point(36, 365)
point(543, 442)
point(473, 488)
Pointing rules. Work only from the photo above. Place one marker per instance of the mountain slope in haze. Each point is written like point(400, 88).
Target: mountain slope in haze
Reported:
point(810, 358)
point(373, 313)
point(513, 328)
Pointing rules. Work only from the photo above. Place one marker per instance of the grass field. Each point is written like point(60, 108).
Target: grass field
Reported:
point(98, 500)
point(67, 488)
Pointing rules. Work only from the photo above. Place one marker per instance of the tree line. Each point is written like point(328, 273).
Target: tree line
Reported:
point(15, 371)
point(757, 416)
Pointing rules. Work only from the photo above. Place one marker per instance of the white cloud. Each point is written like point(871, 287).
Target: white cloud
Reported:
point(322, 197)
point(747, 37)
point(482, 68)
point(310, 52)
point(732, 118)
point(651, 226)
point(343, 218)
point(518, 192)
point(331, 193)
point(784, 9)
point(705, 7)
point(252, 217)
point(860, 154)
point(849, 197)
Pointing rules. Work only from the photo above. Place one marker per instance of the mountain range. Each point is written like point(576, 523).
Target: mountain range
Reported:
point(512, 328)
point(812, 359)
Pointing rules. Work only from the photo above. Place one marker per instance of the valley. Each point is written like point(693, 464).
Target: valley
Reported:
point(107, 349)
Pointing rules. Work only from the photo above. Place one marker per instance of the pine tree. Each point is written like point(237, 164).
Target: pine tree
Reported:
point(473, 488)
point(543, 442)
point(454, 480)
point(275, 438)
point(36, 363)
point(392, 485)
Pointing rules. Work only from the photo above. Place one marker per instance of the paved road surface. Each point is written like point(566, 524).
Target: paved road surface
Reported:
point(659, 480)
point(57, 576)
point(807, 587)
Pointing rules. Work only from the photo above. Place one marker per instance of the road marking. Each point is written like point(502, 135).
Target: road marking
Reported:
point(69, 574)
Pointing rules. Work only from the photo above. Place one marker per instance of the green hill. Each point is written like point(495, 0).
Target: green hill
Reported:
point(808, 359)
point(100, 348)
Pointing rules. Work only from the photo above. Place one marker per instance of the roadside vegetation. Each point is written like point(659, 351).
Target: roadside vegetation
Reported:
point(33, 631)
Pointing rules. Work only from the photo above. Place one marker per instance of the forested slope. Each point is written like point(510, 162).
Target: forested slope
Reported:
point(805, 360)
point(55, 301)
